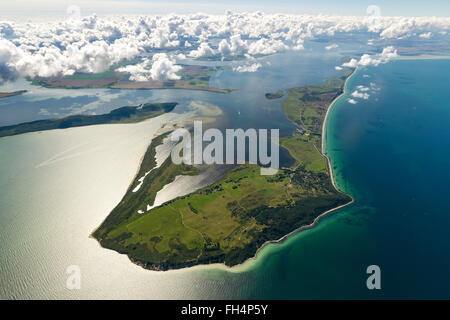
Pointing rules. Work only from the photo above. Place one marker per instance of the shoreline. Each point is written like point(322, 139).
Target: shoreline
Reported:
point(344, 91)
point(248, 263)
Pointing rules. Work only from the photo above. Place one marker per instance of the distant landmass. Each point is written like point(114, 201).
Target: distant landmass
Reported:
point(192, 77)
point(120, 115)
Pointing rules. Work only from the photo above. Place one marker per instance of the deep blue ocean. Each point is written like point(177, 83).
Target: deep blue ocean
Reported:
point(391, 152)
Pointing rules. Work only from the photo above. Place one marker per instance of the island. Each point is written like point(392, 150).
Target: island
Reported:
point(230, 220)
point(274, 95)
point(11, 94)
point(192, 77)
point(129, 114)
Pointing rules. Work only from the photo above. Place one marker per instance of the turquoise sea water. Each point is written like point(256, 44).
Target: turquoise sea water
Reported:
point(389, 151)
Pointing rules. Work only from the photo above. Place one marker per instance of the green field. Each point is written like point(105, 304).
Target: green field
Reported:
point(229, 220)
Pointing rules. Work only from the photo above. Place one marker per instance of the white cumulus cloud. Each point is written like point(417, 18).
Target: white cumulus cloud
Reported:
point(204, 50)
point(248, 68)
point(426, 35)
point(385, 56)
point(95, 44)
point(162, 68)
point(362, 95)
point(331, 46)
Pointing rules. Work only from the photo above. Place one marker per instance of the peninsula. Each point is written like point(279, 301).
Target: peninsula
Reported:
point(121, 115)
point(229, 220)
point(11, 94)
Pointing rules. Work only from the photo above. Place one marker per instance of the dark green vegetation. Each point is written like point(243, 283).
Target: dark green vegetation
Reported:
point(229, 220)
point(192, 77)
point(120, 115)
point(275, 95)
point(11, 94)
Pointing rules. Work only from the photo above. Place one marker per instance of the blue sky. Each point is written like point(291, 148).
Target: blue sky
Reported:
point(343, 7)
